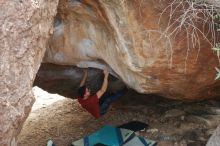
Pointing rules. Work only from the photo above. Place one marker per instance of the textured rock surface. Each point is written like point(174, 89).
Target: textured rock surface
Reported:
point(131, 38)
point(24, 30)
point(215, 138)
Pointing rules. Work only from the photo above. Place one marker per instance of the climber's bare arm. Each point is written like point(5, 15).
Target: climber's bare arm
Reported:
point(82, 82)
point(104, 85)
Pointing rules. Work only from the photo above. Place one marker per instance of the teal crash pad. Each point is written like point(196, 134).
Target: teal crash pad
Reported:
point(140, 141)
point(107, 135)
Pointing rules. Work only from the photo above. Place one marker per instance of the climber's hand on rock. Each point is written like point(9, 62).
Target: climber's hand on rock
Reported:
point(106, 73)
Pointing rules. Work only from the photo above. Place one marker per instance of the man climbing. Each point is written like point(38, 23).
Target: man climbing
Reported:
point(97, 104)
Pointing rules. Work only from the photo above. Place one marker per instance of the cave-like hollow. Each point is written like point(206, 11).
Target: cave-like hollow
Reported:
point(65, 80)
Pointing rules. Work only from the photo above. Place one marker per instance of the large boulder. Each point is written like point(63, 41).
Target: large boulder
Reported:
point(154, 46)
point(24, 31)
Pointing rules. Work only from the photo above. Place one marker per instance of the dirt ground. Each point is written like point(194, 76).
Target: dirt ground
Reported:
point(171, 123)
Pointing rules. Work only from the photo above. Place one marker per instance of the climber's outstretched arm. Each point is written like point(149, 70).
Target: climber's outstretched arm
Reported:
point(82, 82)
point(104, 85)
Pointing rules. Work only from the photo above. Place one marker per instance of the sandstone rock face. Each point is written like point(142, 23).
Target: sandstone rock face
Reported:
point(25, 28)
point(142, 42)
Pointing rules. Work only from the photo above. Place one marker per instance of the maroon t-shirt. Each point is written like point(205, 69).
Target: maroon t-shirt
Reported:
point(91, 104)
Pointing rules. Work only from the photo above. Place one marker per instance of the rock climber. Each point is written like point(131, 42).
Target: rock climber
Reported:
point(98, 103)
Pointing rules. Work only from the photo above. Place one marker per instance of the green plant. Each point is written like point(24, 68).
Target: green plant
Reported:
point(218, 73)
point(217, 49)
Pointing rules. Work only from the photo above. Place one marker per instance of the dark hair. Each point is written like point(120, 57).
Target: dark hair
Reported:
point(81, 91)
